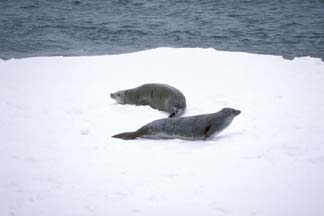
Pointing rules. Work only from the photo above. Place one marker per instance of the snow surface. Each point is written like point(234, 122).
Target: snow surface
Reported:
point(57, 156)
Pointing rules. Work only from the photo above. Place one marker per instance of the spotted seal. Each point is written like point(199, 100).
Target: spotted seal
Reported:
point(158, 96)
point(199, 127)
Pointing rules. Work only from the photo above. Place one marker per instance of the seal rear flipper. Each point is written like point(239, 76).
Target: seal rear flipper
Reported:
point(172, 115)
point(176, 112)
point(127, 135)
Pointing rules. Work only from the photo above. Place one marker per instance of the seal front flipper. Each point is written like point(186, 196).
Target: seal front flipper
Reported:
point(207, 131)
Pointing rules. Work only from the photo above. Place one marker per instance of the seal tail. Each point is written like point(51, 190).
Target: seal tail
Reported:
point(128, 135)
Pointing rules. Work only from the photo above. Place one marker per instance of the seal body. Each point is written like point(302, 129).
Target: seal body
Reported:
point(158, 96)
point(200, 127)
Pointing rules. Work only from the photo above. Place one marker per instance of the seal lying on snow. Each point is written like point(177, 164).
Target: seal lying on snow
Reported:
point(158, 96)
point(198, 127)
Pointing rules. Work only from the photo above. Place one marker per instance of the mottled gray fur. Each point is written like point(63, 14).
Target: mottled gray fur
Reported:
point(158, 96)
point(198, 127)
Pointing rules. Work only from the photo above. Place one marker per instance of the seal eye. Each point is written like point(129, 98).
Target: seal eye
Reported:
point(118, 94)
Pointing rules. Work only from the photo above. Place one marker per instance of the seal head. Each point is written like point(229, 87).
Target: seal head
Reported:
point(119, 97)
point(230, 113)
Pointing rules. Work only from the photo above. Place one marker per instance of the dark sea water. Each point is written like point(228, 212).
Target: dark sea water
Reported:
point(287, 28)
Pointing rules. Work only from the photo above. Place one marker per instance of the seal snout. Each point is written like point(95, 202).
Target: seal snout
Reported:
point(237, 112)
point(230, 112)
point(112, 95)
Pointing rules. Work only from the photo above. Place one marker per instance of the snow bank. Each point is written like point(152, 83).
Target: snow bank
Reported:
point(57, 156)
